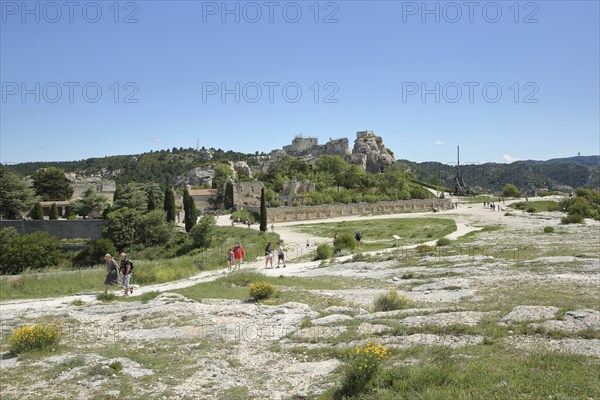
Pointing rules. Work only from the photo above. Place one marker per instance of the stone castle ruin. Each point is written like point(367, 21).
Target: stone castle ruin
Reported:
point(368, 152)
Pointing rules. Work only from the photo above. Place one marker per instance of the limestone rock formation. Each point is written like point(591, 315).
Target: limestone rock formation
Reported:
point(241, 168)
point(200, 175)
point(371, 146)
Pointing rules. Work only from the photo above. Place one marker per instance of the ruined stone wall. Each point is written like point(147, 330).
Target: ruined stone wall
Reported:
point(282, 214)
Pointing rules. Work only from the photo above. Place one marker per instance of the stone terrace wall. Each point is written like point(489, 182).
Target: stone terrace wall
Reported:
point(282, 214)
point(63, 229)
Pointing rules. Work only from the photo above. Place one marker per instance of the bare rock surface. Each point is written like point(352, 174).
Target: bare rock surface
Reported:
point(530, 313)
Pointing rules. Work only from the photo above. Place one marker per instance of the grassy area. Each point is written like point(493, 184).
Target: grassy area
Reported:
point(536, 206)
point(410, 230)
point(235, 286)
point(483, 372)
point(56, 282)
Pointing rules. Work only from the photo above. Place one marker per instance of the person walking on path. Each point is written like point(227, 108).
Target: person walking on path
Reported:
point(280, 254)
point(269, 255)
point(238, 255)
point(230, 259)
point(112, 273)
point(126, 271)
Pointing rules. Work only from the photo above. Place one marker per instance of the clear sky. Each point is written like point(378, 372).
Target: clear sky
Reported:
point(504, 80)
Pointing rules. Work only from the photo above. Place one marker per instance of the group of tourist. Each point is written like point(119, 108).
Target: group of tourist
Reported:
point(118, 274)
point(269, 253)
point(235, 256)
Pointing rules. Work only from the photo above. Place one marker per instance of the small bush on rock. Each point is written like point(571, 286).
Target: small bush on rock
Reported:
point(261, 290)
point(324, 252)
point(361, 368)
point(442, 242)
point(36, 337)
point(391, 301)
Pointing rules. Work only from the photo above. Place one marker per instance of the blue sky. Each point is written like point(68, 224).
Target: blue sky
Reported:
point(504, 80)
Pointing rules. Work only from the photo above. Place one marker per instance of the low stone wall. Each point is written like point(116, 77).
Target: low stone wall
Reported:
point(282, 214)
point(63, 229)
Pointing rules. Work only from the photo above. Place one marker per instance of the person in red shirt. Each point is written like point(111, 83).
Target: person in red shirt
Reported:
point(238, 255)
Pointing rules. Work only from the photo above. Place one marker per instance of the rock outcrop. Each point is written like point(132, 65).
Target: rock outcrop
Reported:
point(375, 154)
point(369, 153)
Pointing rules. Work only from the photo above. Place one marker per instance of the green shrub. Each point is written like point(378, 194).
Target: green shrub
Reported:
point(442, 242)
point(548, 229)
point(201, 233)
point(531, 210)
point(324, 252)
point(572, 219)
point(34, 250)
point(345, 241)
point(391, 301)
point(94, 254)
point(261, 290)
point(423, 249)
point(106, 296)
point(362, 366)
point(77, 302)
point(116, 366)
point(242, 215)
point(28, 338)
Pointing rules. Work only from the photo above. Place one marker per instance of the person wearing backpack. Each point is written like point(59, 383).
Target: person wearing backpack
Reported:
point(126, 271)
point(112, 273)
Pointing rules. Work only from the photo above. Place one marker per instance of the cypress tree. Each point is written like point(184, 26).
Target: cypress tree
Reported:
point(169, 205)
point(189, 207)
point(263, 211)
point(228, 198)
point(53, 211)
point(37, 212)
point(106, 211)
point(151, 201)
point(118, 194)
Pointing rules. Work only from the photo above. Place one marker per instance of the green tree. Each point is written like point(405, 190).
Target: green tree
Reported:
point(132, 195)
point(152, 229)
point(51, 184)
point(53, 211)
point(106, 211)
point(201, 234)
point(151, 201)
point(169, 205)
point(94, 254)
point(189, 208)
point(222, 171)
point(15, 196)
point(37, 212)
point(263, 211)
point(228, 197)
point(120, 227)
point(91, 203)
point(34, 250)
point(510, 190)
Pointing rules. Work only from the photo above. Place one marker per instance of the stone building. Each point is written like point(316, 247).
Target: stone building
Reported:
point(244, 193)
point(300, 145)
point(295, 191)
point(201, 197)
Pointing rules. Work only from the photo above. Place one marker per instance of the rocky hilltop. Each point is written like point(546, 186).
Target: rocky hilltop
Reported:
point(368, 152)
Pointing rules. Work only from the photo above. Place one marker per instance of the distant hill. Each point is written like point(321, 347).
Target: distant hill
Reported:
point(560, 174)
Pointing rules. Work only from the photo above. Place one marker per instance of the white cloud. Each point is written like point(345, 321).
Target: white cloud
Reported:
point(154, 139)
point(438, 142)
point(508, 158)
